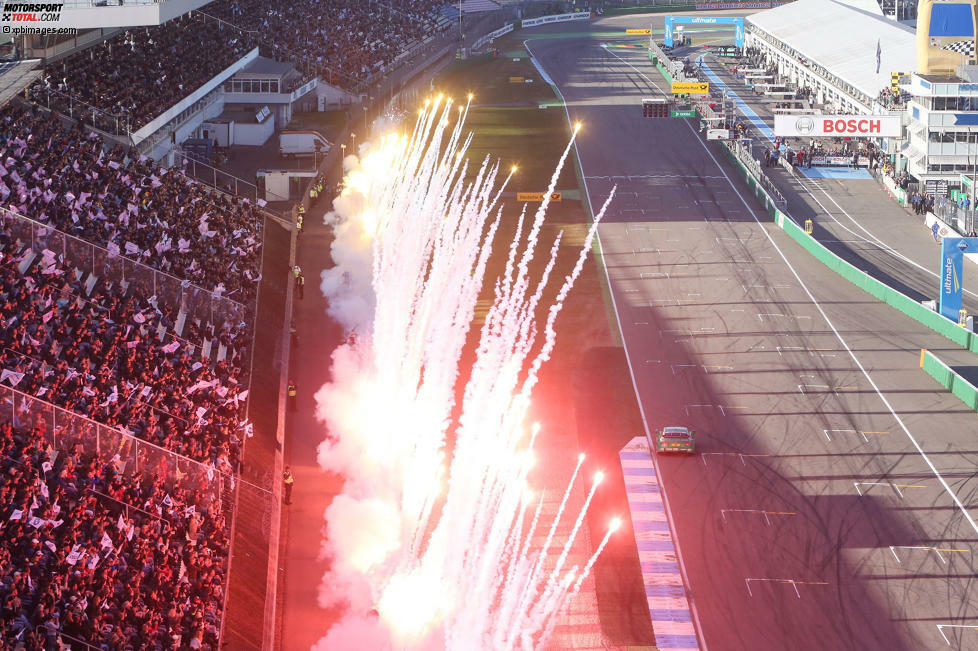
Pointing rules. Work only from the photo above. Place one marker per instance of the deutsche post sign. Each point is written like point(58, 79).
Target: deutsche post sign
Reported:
point(536, 196)
point(691, 87)
point(639, 32)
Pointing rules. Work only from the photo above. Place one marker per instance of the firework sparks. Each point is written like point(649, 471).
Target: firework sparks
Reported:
point(435, 538)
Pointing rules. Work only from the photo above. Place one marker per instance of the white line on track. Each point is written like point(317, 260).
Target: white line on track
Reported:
point(631, 371)
point(872, 239)
point(804, 182)
point(842, 340)
point(817, 305)
point(845, 344)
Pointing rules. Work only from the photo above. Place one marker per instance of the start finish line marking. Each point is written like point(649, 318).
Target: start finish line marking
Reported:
point(794, 584)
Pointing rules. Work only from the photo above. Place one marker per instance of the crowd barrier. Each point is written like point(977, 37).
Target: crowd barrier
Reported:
point(181, 294)
point(949, 379)
point(857, 277)
point(71, 432)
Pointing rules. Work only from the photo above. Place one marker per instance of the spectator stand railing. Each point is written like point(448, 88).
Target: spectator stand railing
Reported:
point(123, 506)
point(195, 301)
point(165, 131)
point(66, 431)
point(70, 106)
point(223, 181)
point(743, 153)
point(955, 216)
point(57, 635)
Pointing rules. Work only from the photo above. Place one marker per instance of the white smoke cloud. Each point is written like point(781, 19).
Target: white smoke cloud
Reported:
point(347, 284)
point(354, 633)
point(433, 544)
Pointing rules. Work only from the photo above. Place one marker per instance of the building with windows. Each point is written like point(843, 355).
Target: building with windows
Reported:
point(943, 133)
point(275, 84)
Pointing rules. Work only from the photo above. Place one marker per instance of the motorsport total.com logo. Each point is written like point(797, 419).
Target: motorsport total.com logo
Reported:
point(32, 17)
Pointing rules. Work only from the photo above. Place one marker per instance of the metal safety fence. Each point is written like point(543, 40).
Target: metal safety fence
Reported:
point(743, 152)
point(72, 433)
point(88, 258)
point(69, 105)
point(955, 215)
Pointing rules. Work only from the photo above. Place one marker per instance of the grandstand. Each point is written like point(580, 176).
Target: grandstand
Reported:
point(132, 298)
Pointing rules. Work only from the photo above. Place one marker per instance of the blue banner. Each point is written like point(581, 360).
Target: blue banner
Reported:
point(737, 22)
point(952, 272)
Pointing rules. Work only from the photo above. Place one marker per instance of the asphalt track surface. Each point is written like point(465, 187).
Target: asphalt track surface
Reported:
point(830, 504)
point(858, 221)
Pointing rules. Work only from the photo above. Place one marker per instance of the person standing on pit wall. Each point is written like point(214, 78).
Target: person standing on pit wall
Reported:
point(289, 481)
point(300, 285)
point(292, 396)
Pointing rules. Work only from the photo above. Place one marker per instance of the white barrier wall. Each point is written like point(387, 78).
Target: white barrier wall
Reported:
point(491, 36)
point(557, 18)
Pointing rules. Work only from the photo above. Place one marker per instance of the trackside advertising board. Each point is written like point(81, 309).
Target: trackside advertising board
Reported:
point(854, 126)
point(559, 18)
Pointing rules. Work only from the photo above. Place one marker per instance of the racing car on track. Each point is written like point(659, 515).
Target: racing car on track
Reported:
point(675, 439)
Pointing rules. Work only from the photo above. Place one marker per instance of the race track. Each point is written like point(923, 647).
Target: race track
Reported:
point(829, 504)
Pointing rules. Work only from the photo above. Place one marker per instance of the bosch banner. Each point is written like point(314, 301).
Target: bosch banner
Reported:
point(815, 125)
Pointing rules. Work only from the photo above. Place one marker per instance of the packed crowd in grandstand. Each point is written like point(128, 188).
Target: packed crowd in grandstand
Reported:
point(105, 540)
point(111, 543)
point(68, 178)
point(142, 72)
point(352, 38)
point(102, 554)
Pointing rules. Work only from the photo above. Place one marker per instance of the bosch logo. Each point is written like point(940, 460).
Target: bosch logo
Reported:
point(805, 126)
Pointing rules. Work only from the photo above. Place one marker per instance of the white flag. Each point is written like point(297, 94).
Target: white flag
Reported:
point(12, 377)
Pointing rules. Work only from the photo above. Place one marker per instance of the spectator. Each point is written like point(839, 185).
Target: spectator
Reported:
point(68, 179)
point(345, 45)
point(137, 75)
point(111, 557)
point(113, 355)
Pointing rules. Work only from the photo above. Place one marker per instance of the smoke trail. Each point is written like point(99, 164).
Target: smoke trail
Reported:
point(430, 537)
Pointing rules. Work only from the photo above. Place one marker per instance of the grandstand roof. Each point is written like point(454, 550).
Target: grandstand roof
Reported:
point(265, 66)
point(842, 39)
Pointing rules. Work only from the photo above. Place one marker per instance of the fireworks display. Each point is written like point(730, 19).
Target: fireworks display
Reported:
point(429, 543)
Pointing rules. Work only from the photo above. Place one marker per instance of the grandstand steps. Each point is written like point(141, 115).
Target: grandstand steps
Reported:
point(478, 6)
point(206, 351)
point(222, 352)
point(90, 284)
